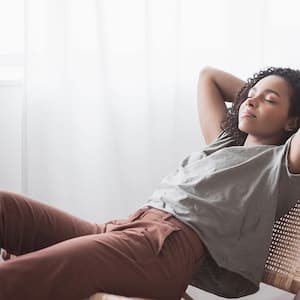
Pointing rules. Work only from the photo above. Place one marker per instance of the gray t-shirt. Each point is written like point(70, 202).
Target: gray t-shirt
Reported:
point(231, 196)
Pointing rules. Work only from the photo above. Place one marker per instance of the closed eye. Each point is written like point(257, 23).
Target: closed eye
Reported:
point(269, 101)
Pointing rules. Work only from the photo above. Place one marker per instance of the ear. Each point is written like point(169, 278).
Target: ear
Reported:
point(292, 124)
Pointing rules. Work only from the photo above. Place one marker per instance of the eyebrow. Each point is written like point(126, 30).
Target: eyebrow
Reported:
point(267, 91)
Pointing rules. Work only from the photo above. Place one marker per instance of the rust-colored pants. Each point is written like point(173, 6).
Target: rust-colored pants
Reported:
point(150, 254)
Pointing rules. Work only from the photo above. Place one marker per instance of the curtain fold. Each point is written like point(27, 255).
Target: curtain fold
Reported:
point(110, 105)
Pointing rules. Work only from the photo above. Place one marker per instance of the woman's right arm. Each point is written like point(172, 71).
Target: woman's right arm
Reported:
point(214, 88)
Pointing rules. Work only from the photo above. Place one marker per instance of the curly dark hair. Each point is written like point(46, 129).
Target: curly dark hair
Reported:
point(292, 76)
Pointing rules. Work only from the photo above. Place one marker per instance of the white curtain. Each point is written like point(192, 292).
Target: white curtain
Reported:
point(110, 90)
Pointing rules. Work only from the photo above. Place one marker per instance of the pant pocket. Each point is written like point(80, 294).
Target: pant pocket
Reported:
point(121, 224)
point(137, 214)
point(157, 235)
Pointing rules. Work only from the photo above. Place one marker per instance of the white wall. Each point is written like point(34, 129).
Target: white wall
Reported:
point(11, 96)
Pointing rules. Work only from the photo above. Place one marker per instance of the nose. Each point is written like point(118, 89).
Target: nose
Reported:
point(252, 102)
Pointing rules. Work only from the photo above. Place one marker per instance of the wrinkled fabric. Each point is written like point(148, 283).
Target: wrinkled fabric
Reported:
point(150, 254)
point(231, 196)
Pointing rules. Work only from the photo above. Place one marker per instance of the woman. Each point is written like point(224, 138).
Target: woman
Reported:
point(208, 223)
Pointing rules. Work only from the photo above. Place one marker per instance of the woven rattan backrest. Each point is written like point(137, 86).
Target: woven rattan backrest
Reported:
point(282, 267)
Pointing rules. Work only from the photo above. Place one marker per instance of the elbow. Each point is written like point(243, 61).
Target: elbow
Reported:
point(206, 71)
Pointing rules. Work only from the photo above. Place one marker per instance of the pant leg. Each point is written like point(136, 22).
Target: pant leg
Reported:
point(27, 225)
point(151, 256)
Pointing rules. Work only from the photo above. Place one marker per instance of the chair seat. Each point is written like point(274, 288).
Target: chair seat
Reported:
point(104, 296)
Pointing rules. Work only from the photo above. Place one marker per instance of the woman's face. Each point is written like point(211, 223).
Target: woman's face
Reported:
point(264, 114)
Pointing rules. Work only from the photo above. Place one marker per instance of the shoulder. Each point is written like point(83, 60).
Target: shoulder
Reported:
point(294, 154)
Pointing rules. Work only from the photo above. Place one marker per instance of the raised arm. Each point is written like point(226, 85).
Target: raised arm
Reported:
point(294, 154)
point(214, 88)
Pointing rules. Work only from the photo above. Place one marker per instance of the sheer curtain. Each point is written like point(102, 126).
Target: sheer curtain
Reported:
point(110, 104)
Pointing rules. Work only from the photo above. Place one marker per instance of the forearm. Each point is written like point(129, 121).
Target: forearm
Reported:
point(227, 84)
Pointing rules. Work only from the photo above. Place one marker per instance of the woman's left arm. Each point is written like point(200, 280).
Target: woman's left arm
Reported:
point(294, 154)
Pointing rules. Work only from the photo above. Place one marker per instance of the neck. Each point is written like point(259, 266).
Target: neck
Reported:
point(256, 141)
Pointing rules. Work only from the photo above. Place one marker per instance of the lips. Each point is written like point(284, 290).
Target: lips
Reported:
point(247, 114)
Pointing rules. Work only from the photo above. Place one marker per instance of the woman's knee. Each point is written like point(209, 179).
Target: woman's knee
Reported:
point(4, 195)
point(11, 204)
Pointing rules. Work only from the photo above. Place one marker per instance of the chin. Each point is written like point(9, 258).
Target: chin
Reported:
point(244, 130)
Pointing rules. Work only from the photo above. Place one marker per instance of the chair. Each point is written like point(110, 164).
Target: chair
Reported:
point(282, 267)
point(103, 296)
